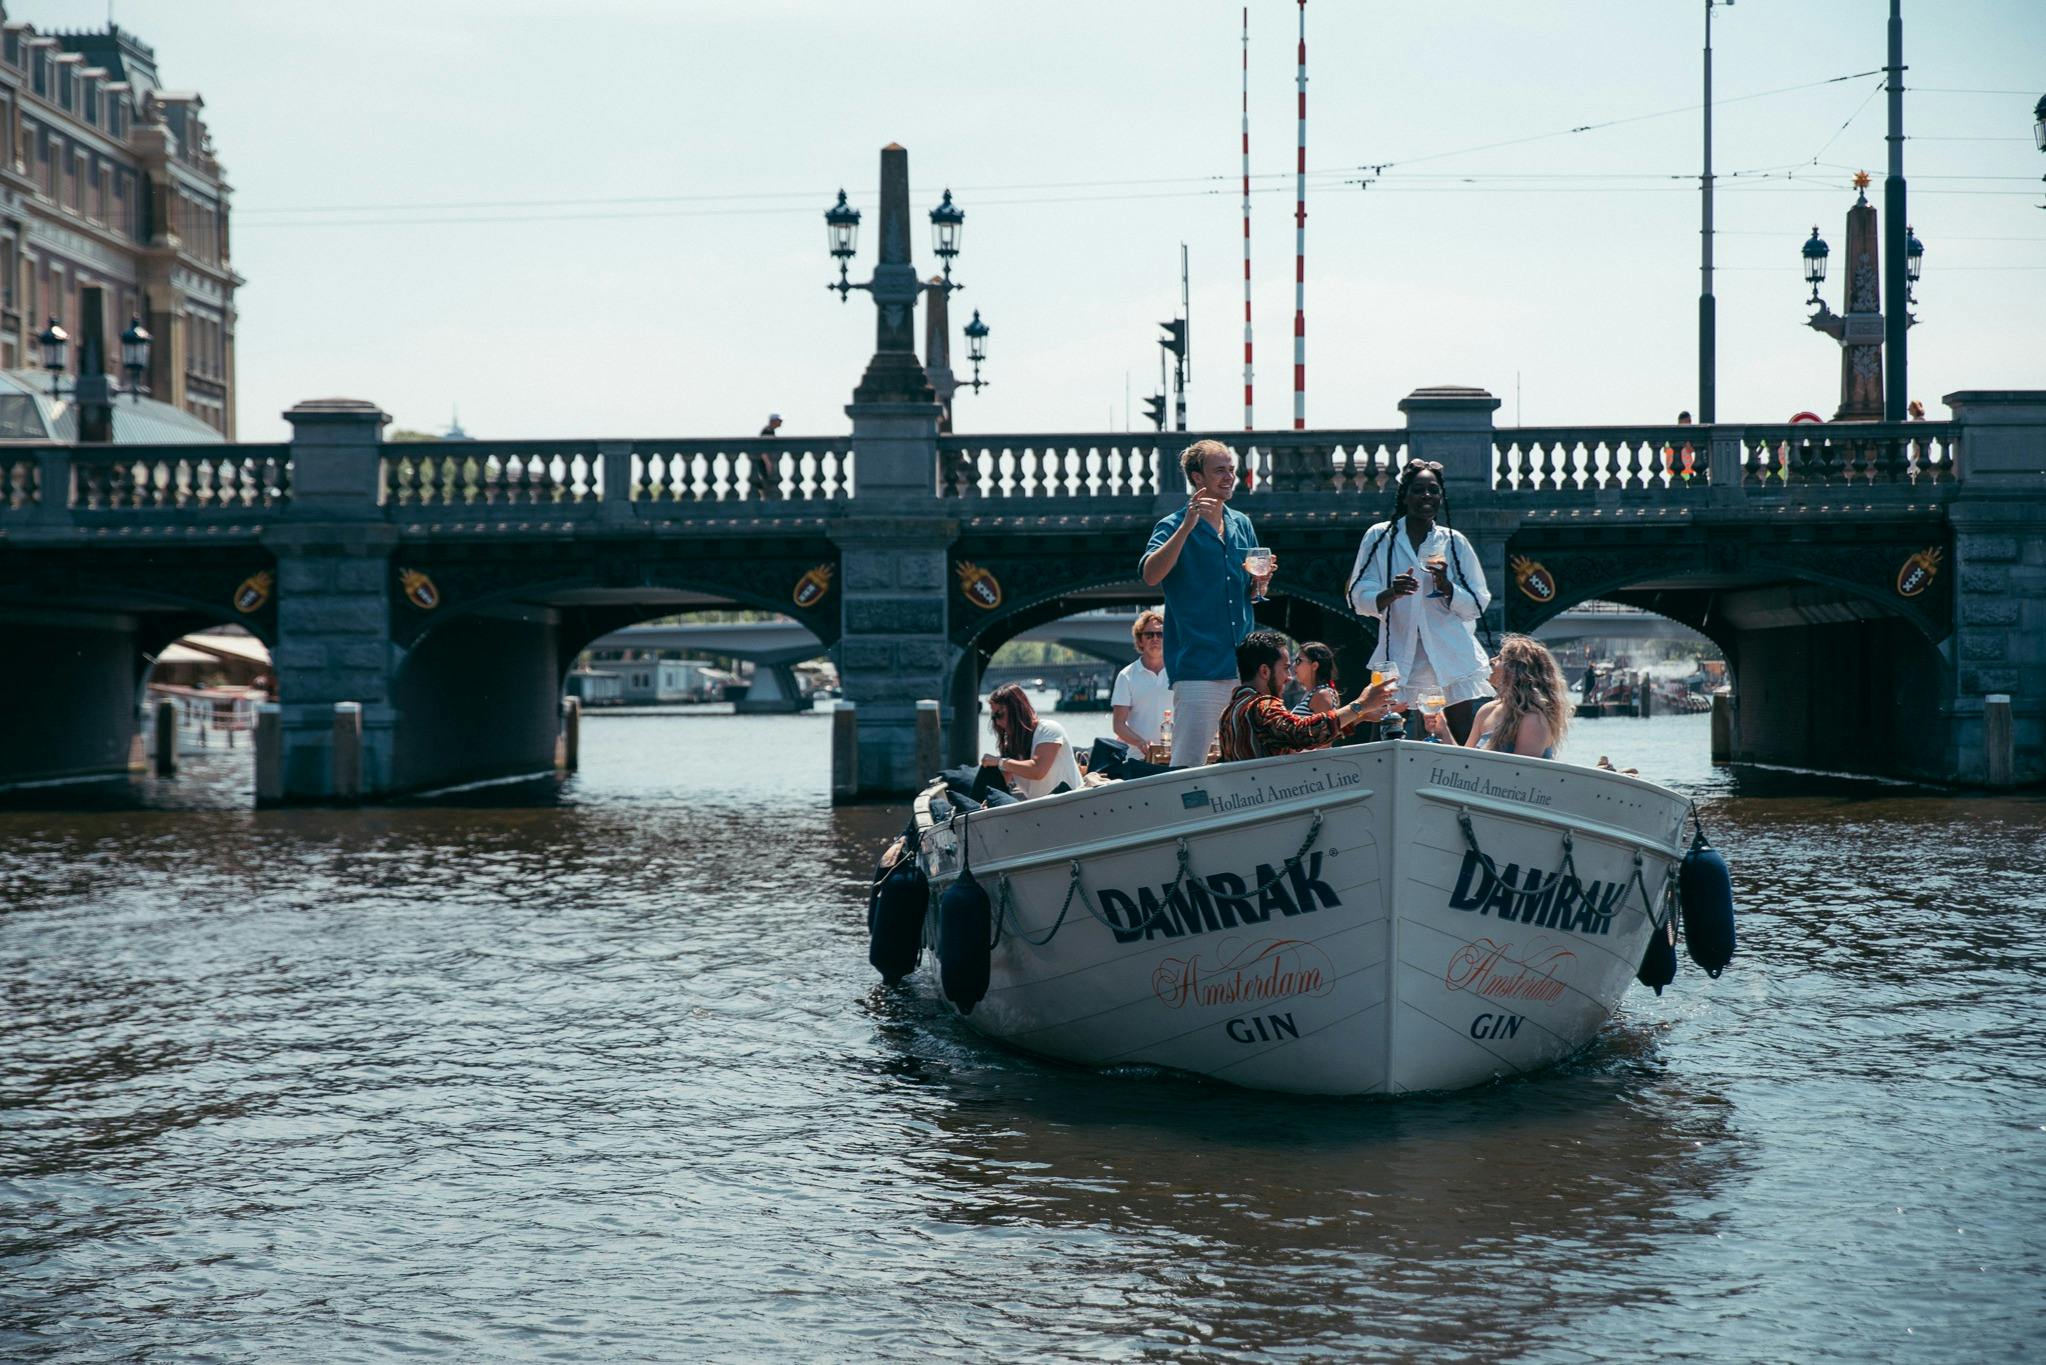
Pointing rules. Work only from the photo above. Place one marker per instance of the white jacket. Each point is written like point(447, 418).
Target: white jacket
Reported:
point(1445, 630)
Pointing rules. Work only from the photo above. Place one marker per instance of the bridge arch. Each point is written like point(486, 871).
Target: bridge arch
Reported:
point(83, 630)
point(480, 654)
point(1833, 643)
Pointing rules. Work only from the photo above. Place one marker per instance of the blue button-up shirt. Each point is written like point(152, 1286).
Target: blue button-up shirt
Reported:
point(1207, 596)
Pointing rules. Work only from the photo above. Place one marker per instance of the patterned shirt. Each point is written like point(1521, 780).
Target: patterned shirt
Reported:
point(1258, 726)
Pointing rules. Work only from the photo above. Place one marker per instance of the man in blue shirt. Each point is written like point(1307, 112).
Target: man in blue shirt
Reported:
point(1198, 555)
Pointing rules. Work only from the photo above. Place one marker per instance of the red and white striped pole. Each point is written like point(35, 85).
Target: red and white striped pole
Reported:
point(1249, 422)
point(1300, 247)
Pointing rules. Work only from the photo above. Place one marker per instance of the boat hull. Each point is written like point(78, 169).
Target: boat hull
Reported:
point(1394, 952)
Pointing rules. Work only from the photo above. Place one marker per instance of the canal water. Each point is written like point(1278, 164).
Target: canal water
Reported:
point(607, 1076)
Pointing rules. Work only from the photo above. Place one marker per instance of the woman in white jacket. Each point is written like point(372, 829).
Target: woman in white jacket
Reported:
point(1424, 584)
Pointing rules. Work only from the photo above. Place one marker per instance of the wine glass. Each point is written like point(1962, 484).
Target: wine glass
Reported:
point(1432, 703)
point(1257, 564)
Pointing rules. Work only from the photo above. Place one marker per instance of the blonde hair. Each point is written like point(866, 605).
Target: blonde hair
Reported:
point(1145, 617)
point(1193, 460)
point(1534, 686)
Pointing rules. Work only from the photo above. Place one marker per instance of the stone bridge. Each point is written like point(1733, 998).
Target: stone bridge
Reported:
point(1871, 584)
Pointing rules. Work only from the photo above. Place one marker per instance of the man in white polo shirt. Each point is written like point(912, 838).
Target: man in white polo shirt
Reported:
point(1142, 692)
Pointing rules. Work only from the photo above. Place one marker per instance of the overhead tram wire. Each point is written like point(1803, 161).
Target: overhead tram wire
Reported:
point(245, 213)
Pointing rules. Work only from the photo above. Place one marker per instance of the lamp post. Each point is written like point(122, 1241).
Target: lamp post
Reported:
point(1896, 394)
point(1863, 329)
point(135, 344)
point(1815, 253)
point(976, 348)
point(1708, 322)
point(894, 375)
point(92, 391)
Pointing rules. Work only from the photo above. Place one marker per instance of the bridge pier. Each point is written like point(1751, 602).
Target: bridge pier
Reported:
point(893, 564)
point(774, 692)
point(1999, 645)
point(333, 601)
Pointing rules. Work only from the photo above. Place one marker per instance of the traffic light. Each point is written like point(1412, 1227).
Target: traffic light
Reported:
point(1174, 339)
point(1154, 408)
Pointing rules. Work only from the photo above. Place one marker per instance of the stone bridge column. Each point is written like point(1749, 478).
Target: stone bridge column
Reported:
point(894, 550)
point(1999, 520)
point(333, 596)
point(1452, 425)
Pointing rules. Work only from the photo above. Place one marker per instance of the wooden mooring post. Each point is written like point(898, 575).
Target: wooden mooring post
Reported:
point(166, 738)
point(1722, 728)
point(928, 746)
point(571, 734)
point(269, 753)
point(1999, 743)
point(845, 752)
point(346, 754)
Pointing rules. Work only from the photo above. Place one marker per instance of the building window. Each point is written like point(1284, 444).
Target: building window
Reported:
point(92, 101)
point(13, 48)
point(65, 86)
point(39, 65)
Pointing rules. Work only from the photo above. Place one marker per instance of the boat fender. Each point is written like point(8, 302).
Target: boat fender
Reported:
point(1706, 889)
point(965, 923)
point(1659, 963)
point(965, 918)
point(895, 919)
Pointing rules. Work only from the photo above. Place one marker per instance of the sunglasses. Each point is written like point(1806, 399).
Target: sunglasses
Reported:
point(1433, 465)
point(1150, 635)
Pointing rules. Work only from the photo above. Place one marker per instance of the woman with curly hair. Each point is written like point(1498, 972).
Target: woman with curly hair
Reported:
point(1532, 709)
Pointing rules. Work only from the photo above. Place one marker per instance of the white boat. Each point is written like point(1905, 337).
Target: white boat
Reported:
point(1377, 919)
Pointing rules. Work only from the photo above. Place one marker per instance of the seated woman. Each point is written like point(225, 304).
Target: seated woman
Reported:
point(1532, 708)
point(1315, 672)
point(1035, 755)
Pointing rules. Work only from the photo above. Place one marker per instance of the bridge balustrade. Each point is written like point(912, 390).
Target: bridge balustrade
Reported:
point(1675, 461)
point(1096, 466)
point(137, 478)
point(524, 474)
point(1917, 454)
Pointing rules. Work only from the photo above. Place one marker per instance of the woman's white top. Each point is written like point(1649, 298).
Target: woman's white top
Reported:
point(1063, 768)
point(1443, 630)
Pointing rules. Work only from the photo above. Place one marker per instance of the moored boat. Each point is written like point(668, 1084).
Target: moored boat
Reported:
point(1382, 918)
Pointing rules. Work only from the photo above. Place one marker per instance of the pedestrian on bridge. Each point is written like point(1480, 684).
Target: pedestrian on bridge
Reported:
point(1432, 637)
point(1198, 555)
point(767, 463)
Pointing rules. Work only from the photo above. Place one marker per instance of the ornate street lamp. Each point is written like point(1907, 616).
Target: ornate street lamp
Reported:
point(976, 348)
point(842, 224)
point(948, 221)
point(135, 344)
point(1815, 252)
point(1914, 261)
point(53, 339)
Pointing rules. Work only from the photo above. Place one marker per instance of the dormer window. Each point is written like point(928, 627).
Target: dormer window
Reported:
point(92, 101)
point(39, 65)
point(66, 87)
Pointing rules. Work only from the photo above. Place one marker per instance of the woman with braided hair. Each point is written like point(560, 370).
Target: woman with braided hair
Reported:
point(1532, 710)
point(1423, 583)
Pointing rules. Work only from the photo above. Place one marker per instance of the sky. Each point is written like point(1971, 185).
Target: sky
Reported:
point(605, 219)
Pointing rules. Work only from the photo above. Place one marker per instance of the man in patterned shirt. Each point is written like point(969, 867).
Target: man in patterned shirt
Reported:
point(1256, 723)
